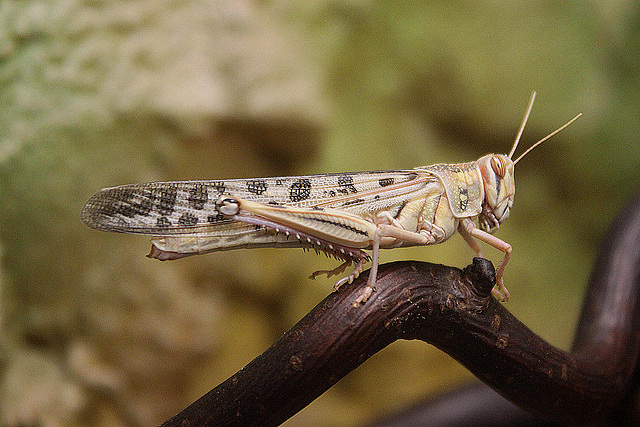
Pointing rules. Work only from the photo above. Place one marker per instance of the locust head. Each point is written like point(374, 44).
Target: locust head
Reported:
point(499, 189)
point(499, 184)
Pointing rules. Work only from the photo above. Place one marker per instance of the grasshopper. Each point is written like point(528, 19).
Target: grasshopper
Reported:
point(340, 214)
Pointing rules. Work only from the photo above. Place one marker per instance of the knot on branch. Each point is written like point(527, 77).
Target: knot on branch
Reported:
point(481, 277)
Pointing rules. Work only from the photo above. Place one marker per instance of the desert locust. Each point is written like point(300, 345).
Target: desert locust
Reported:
point(341, 214)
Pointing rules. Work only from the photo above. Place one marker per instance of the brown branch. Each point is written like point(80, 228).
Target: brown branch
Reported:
point(453, 310)
point(605, 336)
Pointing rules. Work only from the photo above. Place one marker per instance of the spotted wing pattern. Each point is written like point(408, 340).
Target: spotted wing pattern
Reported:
point(189, 207)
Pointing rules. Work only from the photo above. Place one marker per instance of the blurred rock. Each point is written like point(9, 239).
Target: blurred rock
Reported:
point(98, 94)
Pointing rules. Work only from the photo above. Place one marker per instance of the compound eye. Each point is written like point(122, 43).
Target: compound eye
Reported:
point(499, 166)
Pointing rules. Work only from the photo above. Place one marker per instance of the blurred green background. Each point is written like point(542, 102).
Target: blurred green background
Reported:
point(101, 93)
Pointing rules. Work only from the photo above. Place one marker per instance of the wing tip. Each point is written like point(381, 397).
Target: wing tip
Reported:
point(95, 215)
point(90, 215)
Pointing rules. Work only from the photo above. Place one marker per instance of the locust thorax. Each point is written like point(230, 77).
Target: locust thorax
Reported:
point(499, 189)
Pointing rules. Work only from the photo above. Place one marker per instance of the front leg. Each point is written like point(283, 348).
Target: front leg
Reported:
point(468, 229)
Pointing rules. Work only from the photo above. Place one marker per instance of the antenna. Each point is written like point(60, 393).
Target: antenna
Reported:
point(545, 138)
point(524, 122)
